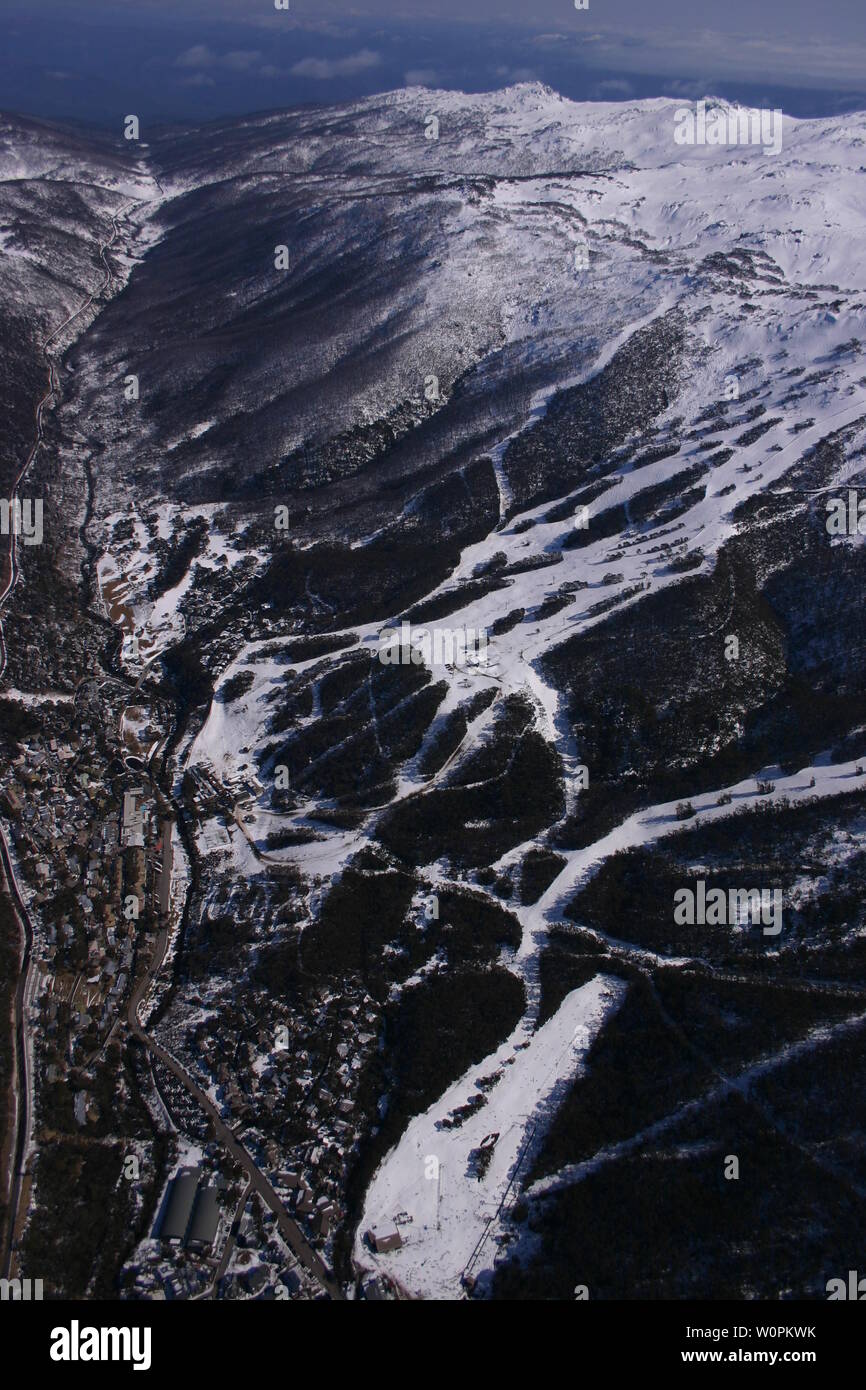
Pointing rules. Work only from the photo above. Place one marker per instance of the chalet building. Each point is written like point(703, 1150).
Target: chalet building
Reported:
point(388, 1238)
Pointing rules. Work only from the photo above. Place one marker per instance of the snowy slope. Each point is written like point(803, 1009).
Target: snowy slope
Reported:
point(698, 309)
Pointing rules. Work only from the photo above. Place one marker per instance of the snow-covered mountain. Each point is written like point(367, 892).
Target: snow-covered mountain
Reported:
point(432, 364)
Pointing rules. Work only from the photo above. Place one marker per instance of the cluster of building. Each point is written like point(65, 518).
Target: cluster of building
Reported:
point(264, 1084)
point(212, 1241)
point(261, 1265)
point(81, 849)
point(319, 1213)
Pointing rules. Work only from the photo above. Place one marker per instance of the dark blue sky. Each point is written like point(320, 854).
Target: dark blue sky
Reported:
point(96, 60)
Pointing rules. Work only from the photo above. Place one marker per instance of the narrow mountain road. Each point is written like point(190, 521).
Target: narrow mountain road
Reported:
point(22, 1071)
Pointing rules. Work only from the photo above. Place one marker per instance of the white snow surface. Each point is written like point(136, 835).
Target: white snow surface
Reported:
point(452, 1210)
point(650, 212)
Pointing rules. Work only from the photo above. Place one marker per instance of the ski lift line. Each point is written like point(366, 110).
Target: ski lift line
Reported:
point(493, 1219)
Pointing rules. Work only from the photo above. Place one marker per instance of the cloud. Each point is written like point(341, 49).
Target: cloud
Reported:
point(198, 79)
point(202, 56)
point(322, 69)
point(241, 60)
point(516, 74)
point(692, 88)
point(723, 55)
point(422, 77)
point(614, 87)
point(199, 56)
